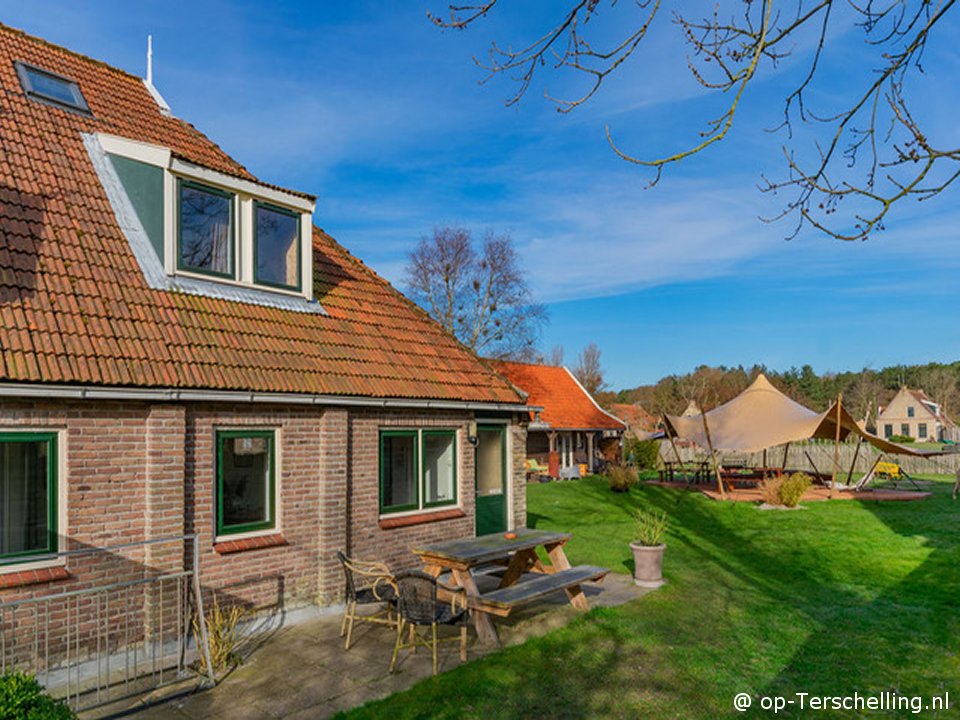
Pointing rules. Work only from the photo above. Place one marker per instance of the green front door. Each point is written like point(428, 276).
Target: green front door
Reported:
point(491, 479)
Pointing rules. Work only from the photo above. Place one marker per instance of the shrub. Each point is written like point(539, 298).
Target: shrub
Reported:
point(222, 634)
point(770, 489)
point(22, 697)
point(651, 526)
point(622, 478)
point(644, 454)
point(793, 487)
point(900, 439)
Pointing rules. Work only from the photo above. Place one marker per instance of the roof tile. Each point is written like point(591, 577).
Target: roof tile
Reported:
point(566, 405)
point(75, 308)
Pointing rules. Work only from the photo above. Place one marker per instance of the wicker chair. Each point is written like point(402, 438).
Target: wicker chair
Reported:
point(418, 606)
point(376, 587)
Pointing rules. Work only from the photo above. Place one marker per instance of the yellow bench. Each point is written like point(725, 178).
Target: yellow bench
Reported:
point(532, 466)
point(889, 470)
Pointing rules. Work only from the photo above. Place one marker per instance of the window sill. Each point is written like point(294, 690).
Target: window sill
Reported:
point(22, 578)
point(228, 547)
point(421, 518)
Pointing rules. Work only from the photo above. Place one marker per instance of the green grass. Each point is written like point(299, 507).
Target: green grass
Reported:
point(839, 597)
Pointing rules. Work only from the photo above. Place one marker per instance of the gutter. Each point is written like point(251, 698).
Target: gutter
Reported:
point(86, 392)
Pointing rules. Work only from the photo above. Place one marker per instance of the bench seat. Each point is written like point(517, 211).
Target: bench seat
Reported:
point(535, 586)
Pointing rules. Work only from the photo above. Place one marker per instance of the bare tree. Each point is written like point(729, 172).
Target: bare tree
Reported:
point(864, 396)
point(940, 384)
point(869, 147)
point(588, 370)
point(481, 296)
point(556, 356)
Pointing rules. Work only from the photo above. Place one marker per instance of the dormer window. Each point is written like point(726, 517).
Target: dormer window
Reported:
point(208, 232)
point(51, 88)
point(276, 246)
point(205, 238)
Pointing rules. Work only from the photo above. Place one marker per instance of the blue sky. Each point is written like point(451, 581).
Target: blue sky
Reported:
point(380, 114)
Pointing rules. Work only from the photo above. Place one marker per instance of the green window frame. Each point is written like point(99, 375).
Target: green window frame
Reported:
point(418, 437)
point(270, 522)
point(232, 231)
point(257, 205)
point(52, 483)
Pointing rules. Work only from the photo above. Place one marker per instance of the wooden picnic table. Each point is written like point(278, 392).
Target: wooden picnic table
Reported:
point(462, 558)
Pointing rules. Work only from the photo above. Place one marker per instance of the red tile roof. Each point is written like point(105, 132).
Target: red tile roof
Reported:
point(634, 416)
point(75, 308)
point(566, 405)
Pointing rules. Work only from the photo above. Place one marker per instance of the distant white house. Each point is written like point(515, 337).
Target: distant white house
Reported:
point(915, 415)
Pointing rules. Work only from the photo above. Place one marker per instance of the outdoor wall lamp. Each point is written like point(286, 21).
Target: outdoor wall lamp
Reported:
point(472, 436)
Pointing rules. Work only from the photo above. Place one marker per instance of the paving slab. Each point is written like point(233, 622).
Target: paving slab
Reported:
point(302, 671)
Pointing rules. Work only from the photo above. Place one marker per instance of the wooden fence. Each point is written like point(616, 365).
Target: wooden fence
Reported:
point(821, 453)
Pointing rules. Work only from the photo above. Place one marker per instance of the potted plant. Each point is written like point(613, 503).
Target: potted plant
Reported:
point(648, 548)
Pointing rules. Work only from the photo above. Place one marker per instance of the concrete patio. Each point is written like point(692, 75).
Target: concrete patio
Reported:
point(302, 671)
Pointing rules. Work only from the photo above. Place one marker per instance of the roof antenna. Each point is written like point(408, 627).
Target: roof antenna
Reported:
point(149, 59)
point(148, 81)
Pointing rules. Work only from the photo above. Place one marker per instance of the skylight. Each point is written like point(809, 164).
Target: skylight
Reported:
point(51, 88)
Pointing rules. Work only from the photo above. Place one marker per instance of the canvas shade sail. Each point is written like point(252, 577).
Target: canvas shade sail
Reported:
point(761, 417)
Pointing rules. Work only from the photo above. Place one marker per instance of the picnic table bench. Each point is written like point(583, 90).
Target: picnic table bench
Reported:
point(503, 600)
point(525, 577)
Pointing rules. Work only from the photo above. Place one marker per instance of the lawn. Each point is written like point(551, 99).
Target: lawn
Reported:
point(839, 597)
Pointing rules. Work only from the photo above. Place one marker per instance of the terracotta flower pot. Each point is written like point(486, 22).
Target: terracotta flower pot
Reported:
point(648, 565)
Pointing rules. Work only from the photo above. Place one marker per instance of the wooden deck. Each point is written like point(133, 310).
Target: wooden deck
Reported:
point(815, 493)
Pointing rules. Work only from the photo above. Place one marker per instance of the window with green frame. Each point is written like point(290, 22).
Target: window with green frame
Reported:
point(246, 481)
point(276, 246)
point(205, 242)
point(418, 469)
point(28, 495)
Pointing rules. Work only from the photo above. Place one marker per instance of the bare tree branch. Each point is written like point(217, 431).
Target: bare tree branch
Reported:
point(873, 153)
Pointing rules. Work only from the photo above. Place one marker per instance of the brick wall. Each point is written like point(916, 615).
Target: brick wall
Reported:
point(136, 471)
point(281, 573)
point(366, 538)
point(519, 455)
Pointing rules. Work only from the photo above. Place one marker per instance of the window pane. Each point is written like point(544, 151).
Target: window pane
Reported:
point(278, 247)
point(245, 480)
point(51, 87)
point(205, 234)
point(490, 462)
point(922, 430)
point(399, 471)
point(24, 496)
point(439, 477)
point(905, 429)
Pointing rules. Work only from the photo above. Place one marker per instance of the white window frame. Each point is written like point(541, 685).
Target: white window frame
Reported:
point(245, 194)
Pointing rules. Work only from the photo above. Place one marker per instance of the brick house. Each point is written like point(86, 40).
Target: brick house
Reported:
point(183, 352)
point(913, 414)
point(571, 429)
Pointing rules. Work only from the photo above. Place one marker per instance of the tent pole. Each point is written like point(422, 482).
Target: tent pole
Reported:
point(683, 467)
point(836, 447)
point(810, 459)
point(856, 454)
point(713, 454)
point(869, 476)
point(783, 465)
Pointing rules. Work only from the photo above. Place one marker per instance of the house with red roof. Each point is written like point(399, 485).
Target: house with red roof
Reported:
point(184, 353)
point(912, 413)
point(640, 423)
point(571, 429)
